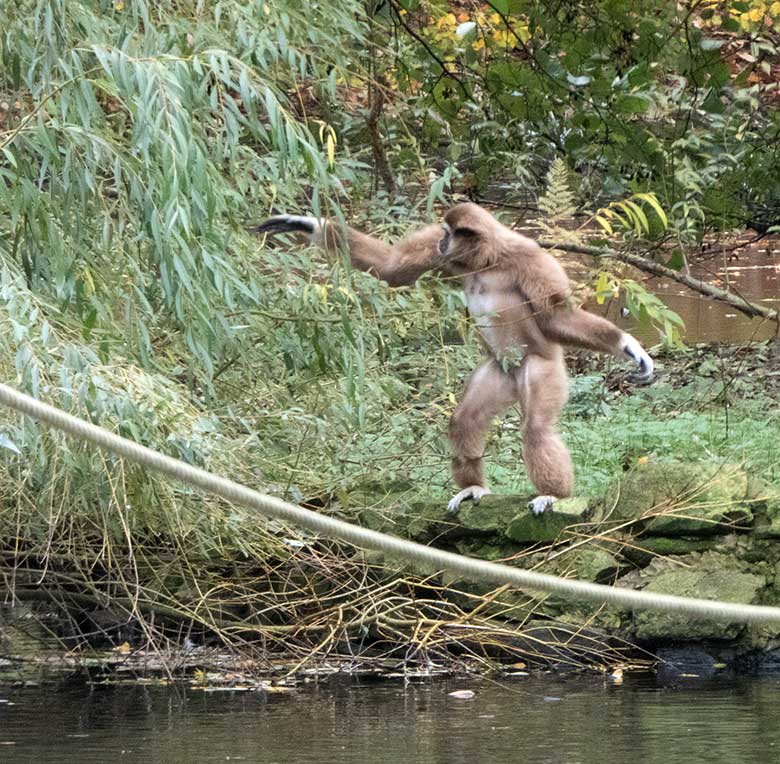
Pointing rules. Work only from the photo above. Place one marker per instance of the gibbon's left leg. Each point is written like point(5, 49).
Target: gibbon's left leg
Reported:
point(489, 392)
point(544, 390)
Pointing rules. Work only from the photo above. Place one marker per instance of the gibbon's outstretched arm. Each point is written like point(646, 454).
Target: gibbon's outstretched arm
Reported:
point(399, 265)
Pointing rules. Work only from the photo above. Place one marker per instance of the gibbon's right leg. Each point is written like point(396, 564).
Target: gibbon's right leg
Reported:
point(544, 390)
point(398, 265)
point(489, 392)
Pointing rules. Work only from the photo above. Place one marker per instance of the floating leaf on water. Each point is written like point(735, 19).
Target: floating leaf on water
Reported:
point(462, 694)
point(616, 677)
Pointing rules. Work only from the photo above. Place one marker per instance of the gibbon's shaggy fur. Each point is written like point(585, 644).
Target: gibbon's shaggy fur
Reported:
point(519, 297)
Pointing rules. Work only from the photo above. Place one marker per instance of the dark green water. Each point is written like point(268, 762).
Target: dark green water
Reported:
point(539, 719)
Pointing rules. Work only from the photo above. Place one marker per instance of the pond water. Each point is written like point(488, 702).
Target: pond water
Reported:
point(754, 273)
point(541, 719)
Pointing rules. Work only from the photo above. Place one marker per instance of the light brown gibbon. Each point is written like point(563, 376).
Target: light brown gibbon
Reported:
point(520, 300)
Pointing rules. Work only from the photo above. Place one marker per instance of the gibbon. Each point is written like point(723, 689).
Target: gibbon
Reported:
point(520, 300)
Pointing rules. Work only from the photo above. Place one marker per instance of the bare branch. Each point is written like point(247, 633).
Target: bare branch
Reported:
point(656, 269)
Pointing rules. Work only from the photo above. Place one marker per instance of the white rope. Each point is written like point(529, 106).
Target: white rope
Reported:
point(436, 558)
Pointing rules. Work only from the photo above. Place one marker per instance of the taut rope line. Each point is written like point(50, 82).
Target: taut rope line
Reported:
point(466, 566)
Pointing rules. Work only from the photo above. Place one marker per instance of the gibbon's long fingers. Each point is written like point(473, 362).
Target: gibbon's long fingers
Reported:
point(288, 224)
point(474, 492)
point(541, 503)
point(637, 353)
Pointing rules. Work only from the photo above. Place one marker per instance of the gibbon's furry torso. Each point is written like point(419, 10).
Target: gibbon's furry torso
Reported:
point(508, 281)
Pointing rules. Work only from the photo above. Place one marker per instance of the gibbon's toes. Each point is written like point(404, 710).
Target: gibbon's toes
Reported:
point(541, 503)
point(474, 492)
point(288, 223)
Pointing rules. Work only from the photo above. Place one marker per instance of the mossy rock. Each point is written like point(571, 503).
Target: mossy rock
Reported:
point(709, 576)
point(491, 515)
point(589, 563)
point(418, 521)
point(648, 548)
point(765, 500)
point(680, 499)
point(527, 528)
point(486, 549)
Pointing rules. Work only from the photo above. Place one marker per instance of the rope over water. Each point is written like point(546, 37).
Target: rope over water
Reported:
point(468, 567)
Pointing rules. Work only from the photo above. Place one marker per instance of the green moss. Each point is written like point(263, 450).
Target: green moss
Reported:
point(708, 576)
point(647, 548)
point(528, 529)
point(679, 499)
point(492, 515)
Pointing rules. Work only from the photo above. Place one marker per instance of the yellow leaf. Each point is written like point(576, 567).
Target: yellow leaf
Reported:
point(199, 676)
point(604, 223)
point(123, 649)
point(89, 284)
point(643, 460)
point(774, 9)
point(602, 285)
point(331, 146)
point(653, 202)
point(119, 5)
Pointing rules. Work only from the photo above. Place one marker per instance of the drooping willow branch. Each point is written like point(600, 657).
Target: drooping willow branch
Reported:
point(656, 269)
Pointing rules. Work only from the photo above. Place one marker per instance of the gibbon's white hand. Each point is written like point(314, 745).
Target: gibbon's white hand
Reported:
point(640, 356)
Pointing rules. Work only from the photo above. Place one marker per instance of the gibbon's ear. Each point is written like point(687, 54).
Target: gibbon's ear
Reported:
point(287, 224)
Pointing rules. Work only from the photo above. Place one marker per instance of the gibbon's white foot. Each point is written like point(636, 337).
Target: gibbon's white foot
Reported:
point(541, 503)
point(639, 355)
point(473, 492)
point(288, 223)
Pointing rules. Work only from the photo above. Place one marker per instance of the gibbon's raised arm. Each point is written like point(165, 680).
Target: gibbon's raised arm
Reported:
point(399, 264)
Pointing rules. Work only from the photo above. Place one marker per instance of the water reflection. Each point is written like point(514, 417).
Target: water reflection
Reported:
point(754, 274)
point(537, 719)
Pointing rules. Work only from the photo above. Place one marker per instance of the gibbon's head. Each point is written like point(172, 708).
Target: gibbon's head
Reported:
point(471, 236)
